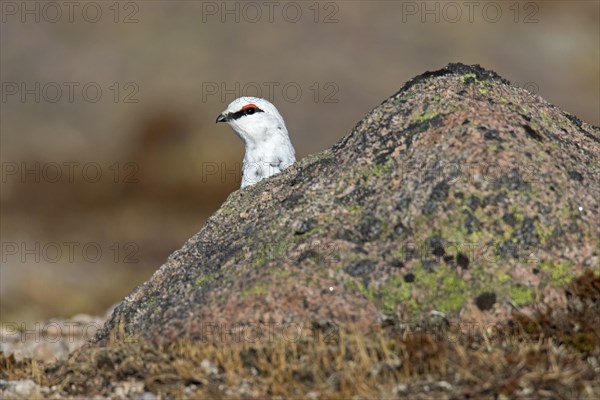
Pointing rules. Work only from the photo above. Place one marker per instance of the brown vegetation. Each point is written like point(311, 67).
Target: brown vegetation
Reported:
point(551, 354)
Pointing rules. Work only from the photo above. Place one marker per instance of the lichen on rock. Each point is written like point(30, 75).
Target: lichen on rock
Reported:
point(460, 194)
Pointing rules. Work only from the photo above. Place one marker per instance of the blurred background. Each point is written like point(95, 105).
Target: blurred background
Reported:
point(111, 157)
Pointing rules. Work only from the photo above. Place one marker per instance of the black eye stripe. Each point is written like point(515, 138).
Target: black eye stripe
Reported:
point(241, 113)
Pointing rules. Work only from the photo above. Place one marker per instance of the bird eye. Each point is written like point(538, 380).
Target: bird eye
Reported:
point(249, 109)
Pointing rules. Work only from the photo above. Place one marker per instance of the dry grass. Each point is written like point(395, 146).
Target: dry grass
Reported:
point(553, 354)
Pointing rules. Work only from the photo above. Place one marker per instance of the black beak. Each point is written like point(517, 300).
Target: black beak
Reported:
point(221, 118)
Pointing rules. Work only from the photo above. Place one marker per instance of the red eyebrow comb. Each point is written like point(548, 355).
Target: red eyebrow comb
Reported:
point(247, 106)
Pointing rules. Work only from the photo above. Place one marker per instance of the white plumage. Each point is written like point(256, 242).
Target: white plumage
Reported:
point(268, 148)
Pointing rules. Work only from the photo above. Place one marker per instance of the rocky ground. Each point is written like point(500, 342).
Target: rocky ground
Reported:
point(553, 353)
point(447, 247)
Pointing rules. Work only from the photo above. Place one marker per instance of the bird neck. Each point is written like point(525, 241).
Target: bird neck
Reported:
point(268, 149)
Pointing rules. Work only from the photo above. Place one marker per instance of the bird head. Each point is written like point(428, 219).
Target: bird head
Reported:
point(253, 119)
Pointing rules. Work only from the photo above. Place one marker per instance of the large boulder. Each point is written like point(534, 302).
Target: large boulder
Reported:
point(460, 194)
